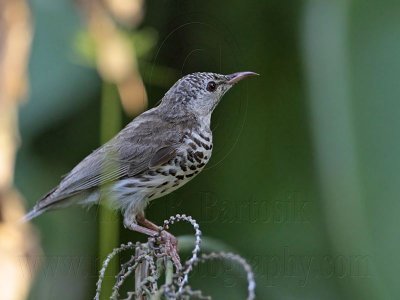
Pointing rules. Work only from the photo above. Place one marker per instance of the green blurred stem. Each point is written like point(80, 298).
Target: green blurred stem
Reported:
point(326, 53)
point(108, 220)
point(169, 272)
point(169, 276)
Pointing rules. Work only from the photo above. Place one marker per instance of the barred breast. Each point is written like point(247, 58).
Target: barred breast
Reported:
point(189, 161)
point(134, 193)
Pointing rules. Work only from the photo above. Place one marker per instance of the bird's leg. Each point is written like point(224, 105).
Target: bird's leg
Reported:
point(135, 227)
point(170, 241)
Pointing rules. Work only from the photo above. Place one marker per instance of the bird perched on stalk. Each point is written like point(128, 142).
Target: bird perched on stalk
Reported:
point(158, 152)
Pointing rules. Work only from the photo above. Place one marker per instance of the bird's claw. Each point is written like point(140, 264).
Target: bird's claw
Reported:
point(170, 243)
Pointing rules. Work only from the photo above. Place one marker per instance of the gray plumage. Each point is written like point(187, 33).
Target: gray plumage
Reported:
point(159, 151)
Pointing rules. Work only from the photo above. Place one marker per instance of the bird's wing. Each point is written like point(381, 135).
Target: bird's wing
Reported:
point(145, 143)
point(163, 155)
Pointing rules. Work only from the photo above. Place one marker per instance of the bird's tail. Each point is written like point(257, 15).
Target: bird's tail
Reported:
point(53, 201)
point(39, 208)
point(32, 214)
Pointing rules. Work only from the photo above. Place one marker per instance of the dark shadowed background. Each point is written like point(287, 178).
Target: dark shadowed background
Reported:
point(304, 178)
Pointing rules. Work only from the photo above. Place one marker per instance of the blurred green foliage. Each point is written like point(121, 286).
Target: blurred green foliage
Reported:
point(304, 176)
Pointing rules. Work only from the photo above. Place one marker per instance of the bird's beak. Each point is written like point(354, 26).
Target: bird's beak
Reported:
point(236, 77)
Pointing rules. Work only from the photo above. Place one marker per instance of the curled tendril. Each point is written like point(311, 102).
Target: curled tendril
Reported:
point(156, 260)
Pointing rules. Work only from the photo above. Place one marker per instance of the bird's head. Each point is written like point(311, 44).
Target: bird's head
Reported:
point(199, 93)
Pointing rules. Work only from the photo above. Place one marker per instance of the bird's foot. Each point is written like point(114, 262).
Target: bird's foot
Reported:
point(167, 240)
point(170, 243)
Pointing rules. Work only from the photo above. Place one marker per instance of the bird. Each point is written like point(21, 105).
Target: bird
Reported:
point(156, 153)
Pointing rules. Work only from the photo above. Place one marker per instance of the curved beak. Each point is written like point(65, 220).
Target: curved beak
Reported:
point(236, 77)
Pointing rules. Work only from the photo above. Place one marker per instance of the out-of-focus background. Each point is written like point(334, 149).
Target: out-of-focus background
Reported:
point(304, 181)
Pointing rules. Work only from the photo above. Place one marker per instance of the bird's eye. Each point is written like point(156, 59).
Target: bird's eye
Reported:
point(211, 86)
